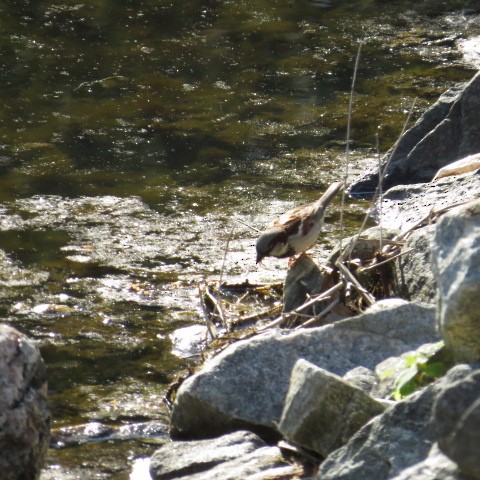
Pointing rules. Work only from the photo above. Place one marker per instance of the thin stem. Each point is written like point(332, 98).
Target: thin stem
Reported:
point(347, 148)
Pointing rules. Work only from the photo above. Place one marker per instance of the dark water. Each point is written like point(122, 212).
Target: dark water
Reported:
point(133, 133)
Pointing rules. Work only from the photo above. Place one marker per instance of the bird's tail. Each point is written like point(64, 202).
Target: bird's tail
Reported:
point(328, 196)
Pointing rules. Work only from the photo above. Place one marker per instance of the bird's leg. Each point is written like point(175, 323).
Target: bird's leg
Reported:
point(292, 261)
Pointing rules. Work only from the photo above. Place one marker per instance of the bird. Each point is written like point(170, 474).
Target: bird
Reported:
point(295, 231)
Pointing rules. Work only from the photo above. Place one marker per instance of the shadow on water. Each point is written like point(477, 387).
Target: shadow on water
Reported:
point(133, 133)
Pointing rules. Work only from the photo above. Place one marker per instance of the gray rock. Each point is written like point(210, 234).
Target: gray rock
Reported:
point(245, 385)
point(392, 442)
point(322, 411)
point(304, 278)
point(447, 131)
point(415, 279)
point(457, 419)
point(367, 244)
point(24, 418)
point(363, 378)
point(456, 265)
point(405, 205)
point(435, 466)
point(237, 455)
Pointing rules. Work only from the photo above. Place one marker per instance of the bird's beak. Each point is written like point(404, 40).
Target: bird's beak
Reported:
point(260, 257)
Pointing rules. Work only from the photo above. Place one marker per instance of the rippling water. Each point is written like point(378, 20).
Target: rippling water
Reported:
point(134, 132)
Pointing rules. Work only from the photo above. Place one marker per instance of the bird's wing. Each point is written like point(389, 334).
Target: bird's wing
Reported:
point(290, 221)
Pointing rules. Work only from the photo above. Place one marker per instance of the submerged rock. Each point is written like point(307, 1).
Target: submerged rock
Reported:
point(24, 418)
point(456, 263)
point(245, 385)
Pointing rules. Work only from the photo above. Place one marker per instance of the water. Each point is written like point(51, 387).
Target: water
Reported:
point(133, 133)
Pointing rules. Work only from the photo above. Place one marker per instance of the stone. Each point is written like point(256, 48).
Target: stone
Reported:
point(363, 378)
point(435, 466)
point(464, 165)
point(303, 279)
point(367, 244)
point(322, 411)
point(456, 266)
point(415, 279)
point(237, 455)
point(396, 440)
point(404, 206)
point(457, 420)
point(246, 384)
point(446, 132)
point(24, 417)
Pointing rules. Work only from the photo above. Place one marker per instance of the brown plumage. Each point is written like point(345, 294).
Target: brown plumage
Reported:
point(296, 230)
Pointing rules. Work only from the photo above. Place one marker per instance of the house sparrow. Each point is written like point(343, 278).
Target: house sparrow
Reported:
point(296, 230)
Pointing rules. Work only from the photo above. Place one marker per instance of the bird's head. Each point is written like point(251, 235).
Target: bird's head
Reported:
point(272, 243)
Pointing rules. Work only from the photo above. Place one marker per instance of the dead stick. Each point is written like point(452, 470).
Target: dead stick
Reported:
point(280, 320)
point(368, 297)
point(320, 315)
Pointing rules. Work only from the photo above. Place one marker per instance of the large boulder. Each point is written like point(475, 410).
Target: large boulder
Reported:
point(245, 385)
point(456, 265)
point(394, 441)
point(447, 131)
point(24, 418)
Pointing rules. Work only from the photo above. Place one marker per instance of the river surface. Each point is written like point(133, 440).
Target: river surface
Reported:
point(135, 133)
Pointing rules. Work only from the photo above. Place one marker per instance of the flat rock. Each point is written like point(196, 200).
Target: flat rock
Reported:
point(405, 205)
point(237, 455)
point(245, 385)
point(322, 411)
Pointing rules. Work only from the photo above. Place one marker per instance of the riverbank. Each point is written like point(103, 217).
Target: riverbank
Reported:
point(366, 396)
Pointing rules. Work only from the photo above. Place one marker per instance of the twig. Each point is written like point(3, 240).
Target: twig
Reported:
point(320, 315)
point(247, 225)
point(282, 318)
point(256, 316)
point(380, 191)
point(218, 307)
point(347, 147)
point(368, 297)
point(346, 253)
point(210, 326)
point(225, 256)
point(393, 257)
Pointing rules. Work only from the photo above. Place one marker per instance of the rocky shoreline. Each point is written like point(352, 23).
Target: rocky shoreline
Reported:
point(326, 402)
point(316, 403)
